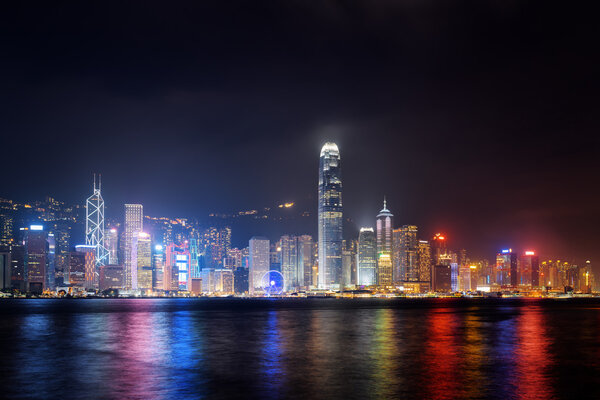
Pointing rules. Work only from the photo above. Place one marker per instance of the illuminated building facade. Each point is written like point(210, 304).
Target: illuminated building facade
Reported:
point(94, 224)
point(5, 272)
point(408, 247)
point(330, 217)
point(259, 262)
point(76, 271)
point(17, 266)
point(158, 267)
point(143, 248)
point(51, 262)
point(384, 228)
point(424, 261)
point(177, 266)
point(134, 223)
point(195, 268)
point(111, 277)
point(507, 268)
point(62, 239)
point(290, 266)
point(442, 278)
point(349, 260)
point(36, 253)
point(111, 242)
point(367, 257)
point(439, 248)
point(91, 274)
point(529, 269)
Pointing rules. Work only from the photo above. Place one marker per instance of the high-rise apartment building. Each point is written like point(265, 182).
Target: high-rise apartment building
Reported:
point(134, 223)
point(91, 272)
point(330, 217)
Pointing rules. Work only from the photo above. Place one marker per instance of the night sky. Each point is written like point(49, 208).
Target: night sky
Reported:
point(476, 118)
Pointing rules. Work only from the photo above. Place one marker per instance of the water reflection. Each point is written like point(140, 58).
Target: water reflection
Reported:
point(442, 371)
point(271, 358)
point(324, 350)
point(532, 356)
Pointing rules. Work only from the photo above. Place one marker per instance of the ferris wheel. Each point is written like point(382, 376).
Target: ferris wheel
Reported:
point(272, 283)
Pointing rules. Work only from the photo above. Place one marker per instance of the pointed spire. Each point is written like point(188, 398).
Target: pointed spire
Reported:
point(384, 203)
point(94, 182)
point(99, 182)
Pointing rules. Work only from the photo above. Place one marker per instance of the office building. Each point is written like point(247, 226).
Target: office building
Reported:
point(134, 223)
point(424, 260)
point(94, 224)
point(330, 217)
point(259, 262)
point(367, 257)
point(36, 253)
point(384, 246)
point(111, 242)
point(158, 267)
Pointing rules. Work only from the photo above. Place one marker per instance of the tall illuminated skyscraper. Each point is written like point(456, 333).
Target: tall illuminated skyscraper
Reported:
point(36, 253)
point(408, 248)
point(259, 262)
point(367, 257)
point(134, 223)
point(94, 224)
point(289, 262)
point(111, 242)
point(384, 246)
point(424, 256)
point(330, 217)
point(142, 249)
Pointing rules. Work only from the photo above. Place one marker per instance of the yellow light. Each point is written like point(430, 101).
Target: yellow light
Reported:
point(473, 267)
point(288, 205)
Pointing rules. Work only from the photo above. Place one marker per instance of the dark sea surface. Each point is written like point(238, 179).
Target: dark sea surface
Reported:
point(300, 349)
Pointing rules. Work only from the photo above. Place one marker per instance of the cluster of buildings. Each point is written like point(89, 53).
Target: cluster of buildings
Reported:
point(141, 255)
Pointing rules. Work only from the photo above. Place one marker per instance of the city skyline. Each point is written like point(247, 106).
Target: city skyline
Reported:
point(192, 259)
point(468, 119)
point(300, 228)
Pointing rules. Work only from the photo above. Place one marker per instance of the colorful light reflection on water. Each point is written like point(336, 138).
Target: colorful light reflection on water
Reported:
point(180, 348)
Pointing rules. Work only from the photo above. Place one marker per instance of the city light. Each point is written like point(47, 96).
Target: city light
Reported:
point(36, 227)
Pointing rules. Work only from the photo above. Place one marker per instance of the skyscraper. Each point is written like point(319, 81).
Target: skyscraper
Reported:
point(529, 269)
point(258, 262)
point(306, 260)
point(36, 252)
point(158, 267)
point(134, 220)
point(94, 224)
point(408, 249)
point(384, 246)
point(367, 257)
point(143, 248)
point(424, 257)
point(507, 268)
point(90, 272)
point(111, 241)
point(289, 261)
point(330, 217)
